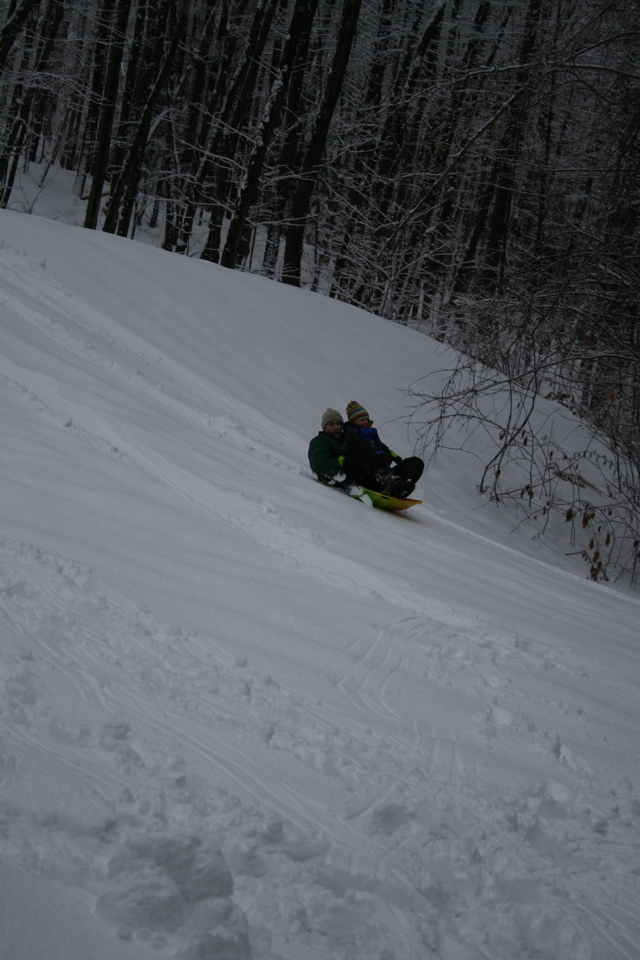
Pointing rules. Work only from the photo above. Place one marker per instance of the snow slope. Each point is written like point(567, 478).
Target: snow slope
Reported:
point(244, 716)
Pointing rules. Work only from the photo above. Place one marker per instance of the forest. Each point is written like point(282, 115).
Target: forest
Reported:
point(469, 168)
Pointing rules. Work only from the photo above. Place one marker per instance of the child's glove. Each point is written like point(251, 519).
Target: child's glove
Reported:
point(341, 462)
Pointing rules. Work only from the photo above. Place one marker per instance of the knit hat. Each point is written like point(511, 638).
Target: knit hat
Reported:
point(355, 412)
point(329, 415)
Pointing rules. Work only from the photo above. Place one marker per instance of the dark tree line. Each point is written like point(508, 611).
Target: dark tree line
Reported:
point(467, 167)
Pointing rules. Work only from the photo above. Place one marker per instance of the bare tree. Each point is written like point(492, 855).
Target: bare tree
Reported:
point(304, 188)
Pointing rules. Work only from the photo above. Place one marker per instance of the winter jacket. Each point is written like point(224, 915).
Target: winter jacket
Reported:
point(370, 434)
point(324, 451)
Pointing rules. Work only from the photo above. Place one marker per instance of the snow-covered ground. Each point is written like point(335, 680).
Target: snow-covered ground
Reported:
point(244, 716)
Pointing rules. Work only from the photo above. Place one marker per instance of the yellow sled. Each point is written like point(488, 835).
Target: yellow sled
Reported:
point(384, 501)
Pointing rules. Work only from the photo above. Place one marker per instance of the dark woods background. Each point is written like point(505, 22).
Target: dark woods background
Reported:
point(467, 167)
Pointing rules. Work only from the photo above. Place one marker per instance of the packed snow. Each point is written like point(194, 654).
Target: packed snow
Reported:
point(244, 716)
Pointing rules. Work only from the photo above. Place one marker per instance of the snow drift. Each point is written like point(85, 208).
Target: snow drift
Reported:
point(243, 716)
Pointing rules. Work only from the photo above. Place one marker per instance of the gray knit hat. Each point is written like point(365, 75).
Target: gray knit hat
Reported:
point(331, 415)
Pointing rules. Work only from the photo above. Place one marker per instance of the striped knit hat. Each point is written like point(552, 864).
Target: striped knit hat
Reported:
point(355, 412)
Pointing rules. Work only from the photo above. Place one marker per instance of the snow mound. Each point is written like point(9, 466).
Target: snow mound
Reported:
point(163, 884)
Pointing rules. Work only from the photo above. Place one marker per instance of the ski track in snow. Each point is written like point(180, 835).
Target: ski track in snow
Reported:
point(411, 858)
point(414, 840)
point(258, 519)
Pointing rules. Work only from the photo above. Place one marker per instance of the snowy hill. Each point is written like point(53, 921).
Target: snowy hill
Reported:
point(243, 716)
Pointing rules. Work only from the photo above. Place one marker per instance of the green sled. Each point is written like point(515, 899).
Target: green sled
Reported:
point(384, 501)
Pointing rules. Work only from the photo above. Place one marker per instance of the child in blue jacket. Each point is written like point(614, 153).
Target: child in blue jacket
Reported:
point(400, 478)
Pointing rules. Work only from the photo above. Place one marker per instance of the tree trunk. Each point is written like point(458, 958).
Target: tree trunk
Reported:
point(107, 112)
point(11, 30)
point(301, 20)
point(294, 242)
point(127, 181)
